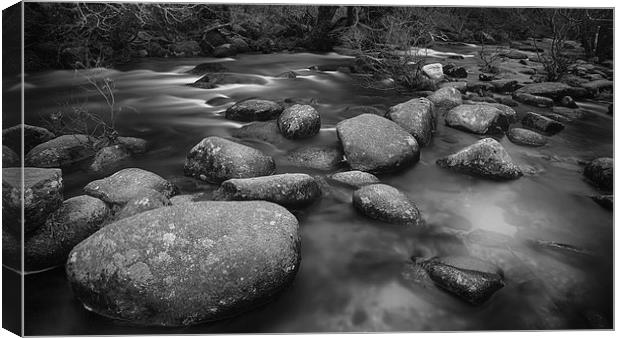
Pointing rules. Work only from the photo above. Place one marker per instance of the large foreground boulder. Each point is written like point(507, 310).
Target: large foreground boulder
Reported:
point(485, 158)
point(299, 121)
point(471, 279)
point(385, 203)
point(476, 118)
point(33, 136)
point(417, 117)
point(76, 219)
point(541, 123)
point(375, 144)
point(42, 189)
point(61, 152)
point(144, 200)
point(601, 172)
point(526, 137)
point(254, 110)
point(188, 263)
point(215, 159)
point(289, 190)
point(126, 184)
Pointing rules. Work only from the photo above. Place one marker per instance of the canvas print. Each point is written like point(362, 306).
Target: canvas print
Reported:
point(197, 168)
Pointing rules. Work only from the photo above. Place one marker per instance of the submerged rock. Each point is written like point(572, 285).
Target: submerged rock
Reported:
point(42, 190)
point(143, 200)
point(526, 137)
point(485, 158)
point(75, 220)
point(126, 184)
point(9, 158)
point(289, 190)
point(385, 203)
point(417, 117)
point(541, 123)
point(470, 279)
point(299, 121)
point(254, 110)
point(215, 159)
point(376, 144)
point(601, 172)
point(355, 178)
point(446, 98)
point(187, 264)
point(476, 118)
point(317, 157)
point(61, 152)
point(33, 136)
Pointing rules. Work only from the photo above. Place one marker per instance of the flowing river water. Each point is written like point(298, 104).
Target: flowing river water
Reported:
point(356, 274)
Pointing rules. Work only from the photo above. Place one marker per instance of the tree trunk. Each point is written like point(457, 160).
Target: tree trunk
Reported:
point(319, 38)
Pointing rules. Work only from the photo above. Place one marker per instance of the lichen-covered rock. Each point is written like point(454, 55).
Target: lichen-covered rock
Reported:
point(601, 172)
point(541, 123)
point(267, 131)
point(187, 264)
point(385, 203)
point(215, 159)
point(9, 158)
point(254, 110)
point(434, 71)
point(317, 157)
point(526, 137)
point(476, 118)
point(485, 158)
point(446, 98)
point(533, 100)
point(471, 279)
point(289, 190)
point(33, 136)
point(377, 145)
point(299, 121)
point(144, 200)
point(355, 178)
point(109, 157)
point(61, 152)
point(417, 117)
point(75, 220)
point(126, 184)
point(42, 195)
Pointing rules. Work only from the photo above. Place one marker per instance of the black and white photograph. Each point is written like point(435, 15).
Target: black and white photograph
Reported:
point(200, 168)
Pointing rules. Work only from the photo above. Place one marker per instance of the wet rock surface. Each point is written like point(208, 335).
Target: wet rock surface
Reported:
point(299, 121)
point(385, 203)
point(254, 110)
point(526, 137)
point(485, 158)
point(126, 184)
point(541, 123)
point(417, 117)
point(289, 190)
point(375, 144)
point(215, 159)
point(533, 100)
point(188, 263)
point(601, 172)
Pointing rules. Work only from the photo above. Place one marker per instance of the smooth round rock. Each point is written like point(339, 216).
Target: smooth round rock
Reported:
point(254, 110)
point(355, 178)
point(377, 145)
point(446, 98)
point(126, 184)
point(417, 117)
point(215, 160)
point(385, 203)
point(61, 152)
point(299, 121)
point(75, 220)
point(187, 264)
point(601, 172)
point(289, 190)
point(526, 137)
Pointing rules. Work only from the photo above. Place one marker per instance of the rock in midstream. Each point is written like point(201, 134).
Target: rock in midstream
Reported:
point(377, 145)
point(299, 121)
point(254, 110)
point(355, 178)
point(386, 203)
point(61, 151)
point(187, 264)
point(526, 137)
point(476, 118)
point(33, 136)
point(267, 131)
point(109, 157)
point(553, 90)
point(533, 100)
point(317, 157)
point(75, 220)
point(470, 279)
point(289, 190)
point(485, 158)
point(215, 160)
point(446, 98)
point(417, 117)
point(542, 123)
point(143, 200)
point(126, 184)
point(601, 172)
point(42, 189)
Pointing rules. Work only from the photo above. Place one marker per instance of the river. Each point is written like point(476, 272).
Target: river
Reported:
point(355, 272)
